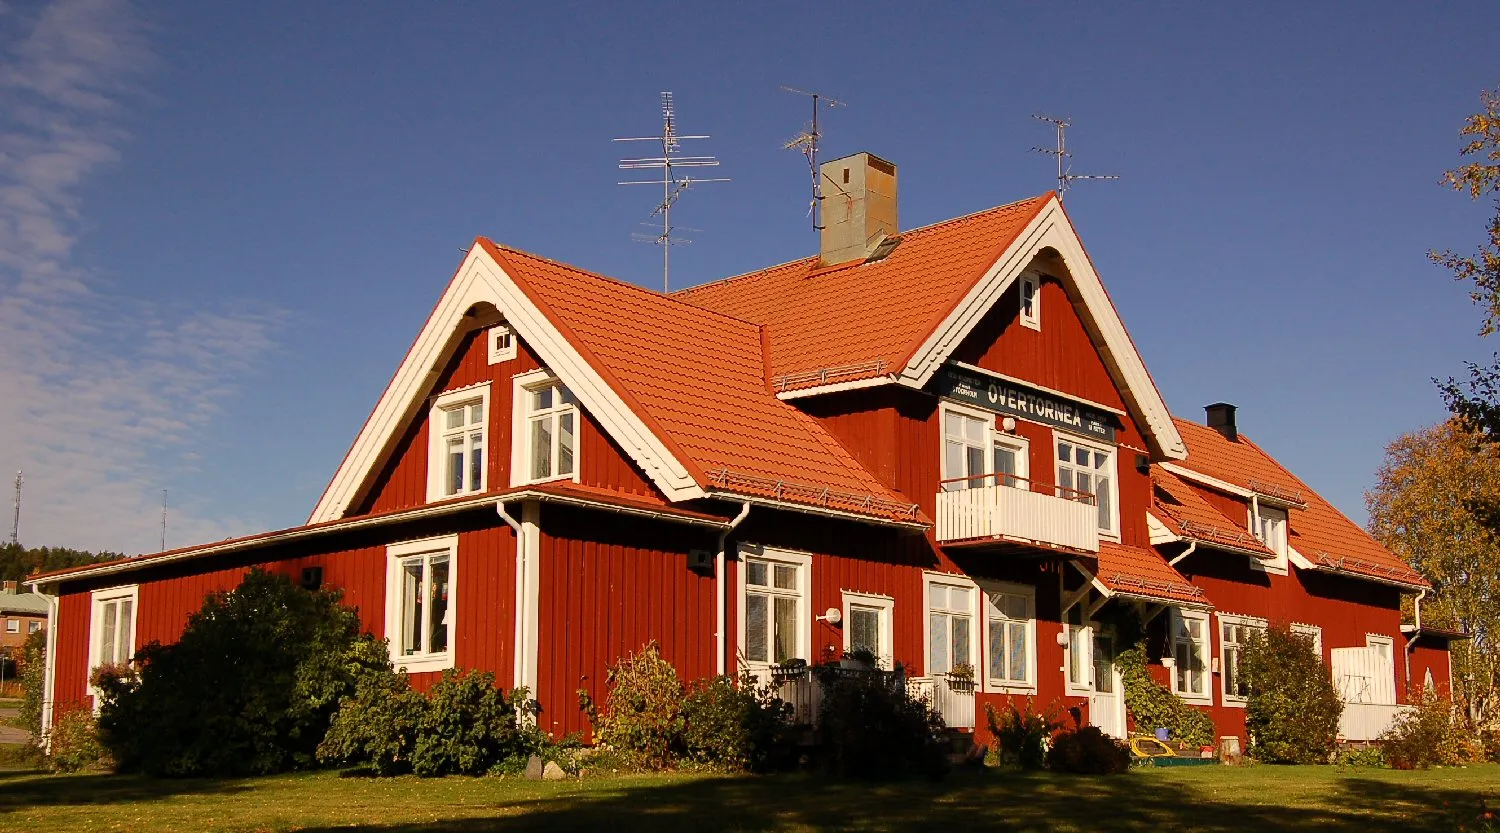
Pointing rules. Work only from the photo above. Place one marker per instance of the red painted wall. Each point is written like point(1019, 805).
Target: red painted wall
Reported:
point(1429, 654)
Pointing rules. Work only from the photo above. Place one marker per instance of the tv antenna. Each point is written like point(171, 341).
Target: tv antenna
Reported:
point(1065, 175)
point(163, 521)
point(15, 525)
point(672, 183)
point(807, 143)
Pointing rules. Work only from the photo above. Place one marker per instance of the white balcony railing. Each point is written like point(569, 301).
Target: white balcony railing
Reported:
point(1017, 510)
point(953, 698)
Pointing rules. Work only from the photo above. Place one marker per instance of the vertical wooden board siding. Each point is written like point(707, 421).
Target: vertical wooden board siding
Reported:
point(403, 482)
point(604, 598)
point(71, 671)
point(1235, 509)
point(1430, 653)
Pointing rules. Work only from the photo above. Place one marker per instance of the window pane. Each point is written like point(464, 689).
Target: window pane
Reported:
point(1018, 652)
point(937, 596)
point(864, 629)
point(960, 639)
point(1081, 455)
point(755, 627)
point(454, 417)
point(953, 425)
point(455, 466)
point(786, 577)
point(953, 464)
point(107, 612)
point(1077, 656)
point(566, 395)
point(565, 443)
point(411, 608)
point(974, 429)
point(541, 448)
point(998, 653)
point(756, 573)
point(438, 624)
point(476, 461)
point(124, 645)
point(476, 413)
point(1005, 463)
point(1104, 677)
point(1106, 505)
point(541, 399)
point(958, 598)
point(975, 465)
point(786, 628)
point(1065, 452)
point(937, 626)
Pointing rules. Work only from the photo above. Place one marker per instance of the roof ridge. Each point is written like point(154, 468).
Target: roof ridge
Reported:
point(624, 283)
point(919, 229)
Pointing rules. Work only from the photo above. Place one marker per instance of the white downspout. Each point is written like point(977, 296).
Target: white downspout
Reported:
point(721, 648)
point(1411, 644)
point(1192, 545)
point(518, 639)
point(49, 670)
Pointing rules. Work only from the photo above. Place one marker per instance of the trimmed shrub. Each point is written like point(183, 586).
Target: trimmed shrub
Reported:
point(469, 728)
point(250, 688)
point(1428, 735)
point(1154, 706)
point(1292, 711)
point(871, 727)
point(33, 672)
point(1021, 736)
point(642, 721)
point(731, 724)
point(1087, 751)
point(377, 725)
point(1368, 756)
point(75, 743)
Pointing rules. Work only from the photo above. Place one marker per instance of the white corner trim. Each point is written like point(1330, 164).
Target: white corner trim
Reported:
point(394, 553)
point(480, 279)
point(1207, 480)
point(1051, 228)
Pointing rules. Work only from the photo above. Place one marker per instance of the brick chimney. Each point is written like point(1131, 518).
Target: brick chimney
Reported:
point(9, 587)
point(859, 208)
point(1221, 419)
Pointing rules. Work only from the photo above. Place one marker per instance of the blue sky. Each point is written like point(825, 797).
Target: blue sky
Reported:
point(221, 227)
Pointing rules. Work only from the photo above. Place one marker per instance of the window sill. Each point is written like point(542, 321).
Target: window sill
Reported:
point(1231, 703)
point(998, 687)
point(1195, 699)
point(561, 478)
point(420, 665)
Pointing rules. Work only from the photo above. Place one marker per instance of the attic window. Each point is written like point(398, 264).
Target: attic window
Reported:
point(502, 344)
point(1031, 303)
point(457, 426)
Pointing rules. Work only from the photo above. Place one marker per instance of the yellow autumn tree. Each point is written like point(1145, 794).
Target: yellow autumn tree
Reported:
point(1434, 505)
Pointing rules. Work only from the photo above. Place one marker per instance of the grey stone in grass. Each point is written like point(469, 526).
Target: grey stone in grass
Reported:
point(534, 768)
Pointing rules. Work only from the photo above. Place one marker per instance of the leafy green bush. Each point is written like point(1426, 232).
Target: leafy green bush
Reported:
point(871, 727)
point(377, 725)
point(642, 720)
point(33, 672)
point(250, 688)
point(75, 743)
point(1292, 711)
point(1087, 751)
point(1368, 756)
point(1021, 736)
point(1427, 736)
point(733, 724)
point(1154, 706)
point(471, 727)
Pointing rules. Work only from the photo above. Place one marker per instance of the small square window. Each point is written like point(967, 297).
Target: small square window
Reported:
point(502, 344)
point(1031, 302)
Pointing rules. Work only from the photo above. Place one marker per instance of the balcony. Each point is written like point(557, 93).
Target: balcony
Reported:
point(1014, 512)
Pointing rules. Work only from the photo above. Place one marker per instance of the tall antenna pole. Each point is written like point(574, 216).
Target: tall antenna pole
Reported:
point(1065, 175)
point(163, 521)
point(671, 184)
point(15, 524)
point(807, 142)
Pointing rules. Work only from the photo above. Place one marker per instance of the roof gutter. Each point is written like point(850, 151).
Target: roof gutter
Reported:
point(1411, 644)
point(721, 594)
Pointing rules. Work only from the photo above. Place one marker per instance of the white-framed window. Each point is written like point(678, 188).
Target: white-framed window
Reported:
point(1190, 653)
point(33, 627)
point(112, 626)
point(967, 444)
point(501, 342)
point(1010, 633)
point(12, 625)
point(1384, 649)
point(545, 438)
point(1011, 460)
point(421, 605)
point(774, 621)
point(868, 624)
point(951, 603)
point(458, 425)
point(1088, 467)
point(1031, 302)
point(1234, 631)
point(1268, 524)
point(1312, 633)
point(1078, 651)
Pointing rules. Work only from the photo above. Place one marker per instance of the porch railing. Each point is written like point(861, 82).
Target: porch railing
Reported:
point(952, 697)
point(996, 506)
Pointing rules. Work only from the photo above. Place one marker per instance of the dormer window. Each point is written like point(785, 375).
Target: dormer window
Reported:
point(457, 424)
point(1031, 302)
point(546, 430)
point(1269, 526)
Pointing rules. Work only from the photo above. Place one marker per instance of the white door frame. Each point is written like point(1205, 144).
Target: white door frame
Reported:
point(1112, 704)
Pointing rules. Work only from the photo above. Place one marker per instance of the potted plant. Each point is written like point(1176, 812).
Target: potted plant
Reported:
point(961, 677)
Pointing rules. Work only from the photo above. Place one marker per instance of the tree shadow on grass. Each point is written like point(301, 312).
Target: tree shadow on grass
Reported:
point(22, 790)
point(969, 801)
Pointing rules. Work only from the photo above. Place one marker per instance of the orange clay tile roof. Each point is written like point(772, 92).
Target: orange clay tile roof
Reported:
point(1183, 511)
point(697, 377)
point(1138, 571)
point(1319, 532)
point(866, 319)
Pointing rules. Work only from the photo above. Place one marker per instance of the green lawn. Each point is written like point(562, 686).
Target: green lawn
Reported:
point(1205, 798)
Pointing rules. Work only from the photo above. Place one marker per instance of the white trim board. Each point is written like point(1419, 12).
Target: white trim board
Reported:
point(1051, 228)
point(481, 280)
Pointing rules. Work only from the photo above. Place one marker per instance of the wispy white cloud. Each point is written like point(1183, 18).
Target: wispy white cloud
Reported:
point(102, 392)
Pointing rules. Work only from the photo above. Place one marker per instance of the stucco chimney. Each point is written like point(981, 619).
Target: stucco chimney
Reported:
point(859, 207)
point(1221, 419)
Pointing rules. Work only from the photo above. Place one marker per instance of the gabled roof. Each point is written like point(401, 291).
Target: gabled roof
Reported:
point(1142, 572)
point(898, 319)
point(1322, 536)
point(1188, 516)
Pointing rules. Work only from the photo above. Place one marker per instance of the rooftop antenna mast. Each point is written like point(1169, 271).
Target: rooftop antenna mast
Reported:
point(163, 521)
point(15, 525)
point(672, 182)
point(1065, 175)
point(807, 142)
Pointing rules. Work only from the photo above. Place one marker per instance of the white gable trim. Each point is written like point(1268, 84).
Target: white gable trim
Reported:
point(1051, 228)
point(1210, 481)
point(482, 280)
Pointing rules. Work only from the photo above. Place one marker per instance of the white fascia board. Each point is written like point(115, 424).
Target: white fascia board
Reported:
point(482, 280)
point(1050, 228)
point(1301, 561)
point(1207, 480)
point(1159, 532)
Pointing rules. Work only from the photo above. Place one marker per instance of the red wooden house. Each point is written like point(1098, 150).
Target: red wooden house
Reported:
point(938, 444)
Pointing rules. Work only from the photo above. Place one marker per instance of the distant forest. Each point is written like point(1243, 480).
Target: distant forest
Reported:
point(18, 562)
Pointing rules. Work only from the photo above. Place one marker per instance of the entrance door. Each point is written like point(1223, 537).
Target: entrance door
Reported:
point(1106, 702)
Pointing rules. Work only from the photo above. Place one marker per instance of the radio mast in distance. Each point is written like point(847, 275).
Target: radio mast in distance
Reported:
point(15, 525)
point(672, 184)
point(807, 142)
point(1065, 175)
